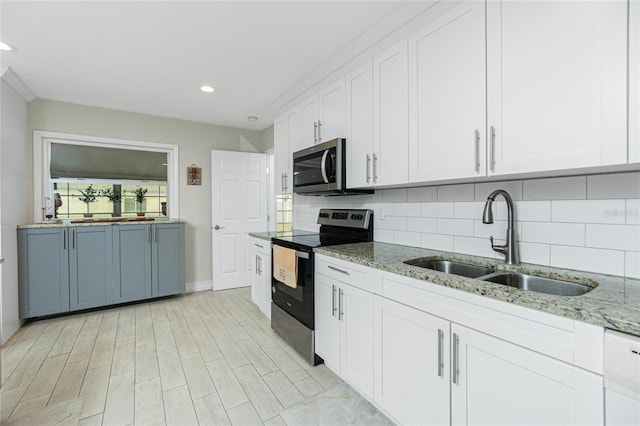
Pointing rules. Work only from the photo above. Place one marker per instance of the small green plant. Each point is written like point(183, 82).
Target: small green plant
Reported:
point(112, 195)
point(88, 195)
point(140, 193)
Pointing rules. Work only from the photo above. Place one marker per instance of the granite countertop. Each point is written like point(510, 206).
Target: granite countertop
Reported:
point(99, 222)
point(267, 236)
point(614, 303)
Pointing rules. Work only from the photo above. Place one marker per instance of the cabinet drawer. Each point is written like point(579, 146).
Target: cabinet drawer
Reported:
point(346, 272)
point(260, 245)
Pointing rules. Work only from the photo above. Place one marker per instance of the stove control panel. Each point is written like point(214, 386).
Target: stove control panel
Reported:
point(348, 218)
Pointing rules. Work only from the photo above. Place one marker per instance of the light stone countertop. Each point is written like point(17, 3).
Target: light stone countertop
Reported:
point(98, 222)
point(614, 303)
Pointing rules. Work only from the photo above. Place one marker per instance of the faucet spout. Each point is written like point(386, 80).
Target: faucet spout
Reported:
point(509, 249)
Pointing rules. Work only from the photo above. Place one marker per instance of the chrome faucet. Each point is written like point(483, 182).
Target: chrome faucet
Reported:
point(509, 249)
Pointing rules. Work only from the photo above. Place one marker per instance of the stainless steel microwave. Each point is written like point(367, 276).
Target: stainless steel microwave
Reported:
point(321, 170)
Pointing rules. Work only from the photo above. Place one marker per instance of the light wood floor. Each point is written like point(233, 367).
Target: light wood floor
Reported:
point(203, 358)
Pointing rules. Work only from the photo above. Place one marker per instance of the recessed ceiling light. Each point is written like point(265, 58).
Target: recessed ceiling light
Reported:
point(252, 118)
point(5, 47)
point(207, 89)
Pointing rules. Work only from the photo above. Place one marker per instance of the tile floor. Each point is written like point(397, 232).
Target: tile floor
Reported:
point(203, 358)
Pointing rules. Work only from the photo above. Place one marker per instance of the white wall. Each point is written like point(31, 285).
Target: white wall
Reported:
point(195, 142)
point(589, 223)
point(14, 194)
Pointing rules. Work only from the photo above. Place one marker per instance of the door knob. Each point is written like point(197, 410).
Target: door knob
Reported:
point(216, 227)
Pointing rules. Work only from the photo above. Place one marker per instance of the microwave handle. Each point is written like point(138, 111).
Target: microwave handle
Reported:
point(323, 166)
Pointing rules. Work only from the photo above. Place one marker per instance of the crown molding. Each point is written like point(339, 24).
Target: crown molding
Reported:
point(12, 79)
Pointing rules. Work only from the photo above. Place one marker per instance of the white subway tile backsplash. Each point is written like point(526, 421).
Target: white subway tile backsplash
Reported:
point(464, 192)
point(383, 235)
point(436, 242)
point(455, 227)
point(407, 238)
point(435, 209)
point(398, 195)
point(533, 211)
point(395, 223)
point(617, 237)
point(633, 212)
point(468, 210)
point(407, 209)
point(589, 211)
point(538, 254)
point(423, 193)
point(571, 234)
point(617, 185)
point(514, 188)
point(473, 246)
point(565, 188)
point(555, 222)
point(588, 259)
point(632, 264)
point(422, 224)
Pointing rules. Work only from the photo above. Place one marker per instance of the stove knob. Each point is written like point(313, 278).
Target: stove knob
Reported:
point(359, 217)
point(353, 217)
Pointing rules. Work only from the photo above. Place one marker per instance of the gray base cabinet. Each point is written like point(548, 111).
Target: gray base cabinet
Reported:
point(43, 271)
point(64, 269)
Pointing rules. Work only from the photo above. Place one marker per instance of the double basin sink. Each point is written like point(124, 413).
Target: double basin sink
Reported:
point(511, 279)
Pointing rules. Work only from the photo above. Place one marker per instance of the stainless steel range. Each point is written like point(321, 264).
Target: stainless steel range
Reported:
point(292, 307)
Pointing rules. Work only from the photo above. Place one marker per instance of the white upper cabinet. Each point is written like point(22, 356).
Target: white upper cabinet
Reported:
point(557, 85)
point(634, 81)
point(390, 156)
point(360, 126)
point(287, 136)
point(323, 116)
point(447, 102)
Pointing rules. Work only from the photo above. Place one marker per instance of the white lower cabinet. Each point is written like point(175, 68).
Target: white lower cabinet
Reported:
point(260, 266)
point(499, 383)
point(344, 331)
point(411, 364)
point(430, 355)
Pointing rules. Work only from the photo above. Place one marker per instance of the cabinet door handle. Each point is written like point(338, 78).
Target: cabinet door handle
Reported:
point(286, 187)
point(155, 234)
point(260, 264)
point(368, 166)
point(455, 368)
point(440, 354)
point(256, 265)
point(340, 311)
point(315, 132)
point(477, 150)
point(375, 165)
point(149, 234)
point(492, 150)
point(319, 131)
point(333, 300)
point(258, 245)
point(64, 239)
point(73, 239)
point(338, 270)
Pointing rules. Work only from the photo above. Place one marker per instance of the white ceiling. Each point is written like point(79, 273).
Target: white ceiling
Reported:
point(152, 57)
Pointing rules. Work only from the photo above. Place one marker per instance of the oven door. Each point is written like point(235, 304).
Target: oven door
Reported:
point(319, 168)
point(297, 302)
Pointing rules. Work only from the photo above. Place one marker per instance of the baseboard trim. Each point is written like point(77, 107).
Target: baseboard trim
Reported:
point(199, 286)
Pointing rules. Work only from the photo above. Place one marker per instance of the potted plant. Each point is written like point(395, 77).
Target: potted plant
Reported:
point(139, 193)
point(114, 196)
point(88, 196)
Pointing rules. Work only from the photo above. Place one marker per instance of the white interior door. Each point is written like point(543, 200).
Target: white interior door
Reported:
point(239, 205)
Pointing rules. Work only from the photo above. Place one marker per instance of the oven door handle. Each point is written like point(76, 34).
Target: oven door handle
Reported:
point(302, 254)
point(323, 166)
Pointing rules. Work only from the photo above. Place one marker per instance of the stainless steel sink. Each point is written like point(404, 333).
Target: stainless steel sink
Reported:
point(456, 268)
point(538, 284)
